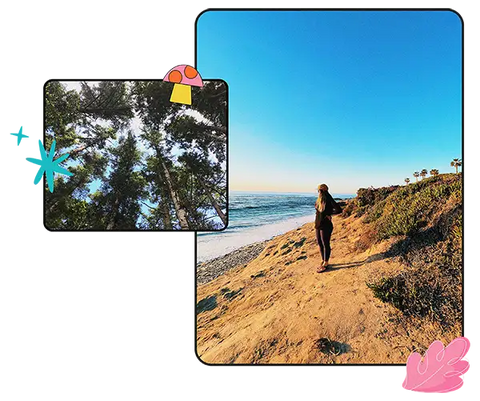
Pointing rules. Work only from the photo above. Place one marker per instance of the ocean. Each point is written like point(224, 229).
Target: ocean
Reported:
point(258, 216)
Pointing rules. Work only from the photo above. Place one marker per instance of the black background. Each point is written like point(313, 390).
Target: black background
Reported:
point(92, 309)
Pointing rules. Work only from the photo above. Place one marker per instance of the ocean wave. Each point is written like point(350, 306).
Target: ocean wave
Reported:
point(221, 243)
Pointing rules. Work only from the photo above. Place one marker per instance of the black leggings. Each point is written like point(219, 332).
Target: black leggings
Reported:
point(323, 239)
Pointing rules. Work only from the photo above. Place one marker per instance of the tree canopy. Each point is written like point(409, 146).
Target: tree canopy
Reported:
point(139, 162)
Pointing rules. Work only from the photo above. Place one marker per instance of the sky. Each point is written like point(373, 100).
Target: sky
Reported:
point(351, 99)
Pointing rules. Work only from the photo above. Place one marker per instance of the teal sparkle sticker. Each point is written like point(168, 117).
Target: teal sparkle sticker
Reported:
point(19, 136)
point(44, 163)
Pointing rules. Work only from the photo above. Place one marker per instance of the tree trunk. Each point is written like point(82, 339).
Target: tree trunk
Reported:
point(113, 219)
point(214, 202)
point(180, 211)
point(191, 212)
point(167, 221)
point(456, 169)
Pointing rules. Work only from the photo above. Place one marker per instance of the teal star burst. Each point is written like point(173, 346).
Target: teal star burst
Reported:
point(19, 135)
point(48, 165)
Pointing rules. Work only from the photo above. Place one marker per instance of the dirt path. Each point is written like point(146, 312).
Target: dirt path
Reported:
point(277, 309)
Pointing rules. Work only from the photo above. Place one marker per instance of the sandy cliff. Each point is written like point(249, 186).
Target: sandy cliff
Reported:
point(277, 309)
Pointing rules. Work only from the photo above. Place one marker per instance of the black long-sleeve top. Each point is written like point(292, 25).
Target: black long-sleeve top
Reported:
point(331, 207)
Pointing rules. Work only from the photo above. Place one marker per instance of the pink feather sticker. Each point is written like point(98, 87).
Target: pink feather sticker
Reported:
point(440, 369)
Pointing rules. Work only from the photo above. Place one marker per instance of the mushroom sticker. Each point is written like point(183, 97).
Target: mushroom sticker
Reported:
point(184, 77)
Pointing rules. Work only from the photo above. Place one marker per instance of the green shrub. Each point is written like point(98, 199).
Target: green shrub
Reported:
point(427, 289)
point(391, 290)
point(429, 216)
point(371, 196)
point(376, 212)
point(348, 209)
point(366, 199)
point(406, 211)
point(360, 211)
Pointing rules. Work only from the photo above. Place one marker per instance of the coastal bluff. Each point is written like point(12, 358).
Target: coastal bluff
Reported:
point(367, 308)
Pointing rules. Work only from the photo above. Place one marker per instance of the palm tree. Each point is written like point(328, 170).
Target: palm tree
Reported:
point(423, 173)
point(456, 163)
point(407, 180)
point(416, 174)
point(434, 172)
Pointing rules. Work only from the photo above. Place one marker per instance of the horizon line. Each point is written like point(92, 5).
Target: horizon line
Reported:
point(286, 192)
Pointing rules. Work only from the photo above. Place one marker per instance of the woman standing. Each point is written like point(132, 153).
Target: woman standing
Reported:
point(325, 206)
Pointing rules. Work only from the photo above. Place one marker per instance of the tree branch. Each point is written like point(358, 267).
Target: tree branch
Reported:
point(151, 207)
point(217, 95)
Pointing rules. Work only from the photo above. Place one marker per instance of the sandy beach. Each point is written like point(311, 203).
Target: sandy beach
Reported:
point(210, 270)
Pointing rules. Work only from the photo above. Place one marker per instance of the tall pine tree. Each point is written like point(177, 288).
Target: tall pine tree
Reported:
point(118, 200)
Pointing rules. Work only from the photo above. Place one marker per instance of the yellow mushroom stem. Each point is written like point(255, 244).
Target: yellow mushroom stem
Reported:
point(181, 94)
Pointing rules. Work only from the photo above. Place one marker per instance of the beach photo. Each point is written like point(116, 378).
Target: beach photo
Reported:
point(345, 236)
point(135, 159)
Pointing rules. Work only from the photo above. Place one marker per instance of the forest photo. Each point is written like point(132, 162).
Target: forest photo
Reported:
point(138, 161)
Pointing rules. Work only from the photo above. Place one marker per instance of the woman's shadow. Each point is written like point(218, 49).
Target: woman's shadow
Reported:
point(338, 266)
point(371, 258)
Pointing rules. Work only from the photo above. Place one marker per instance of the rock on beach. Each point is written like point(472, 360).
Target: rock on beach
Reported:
point(210, 270)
